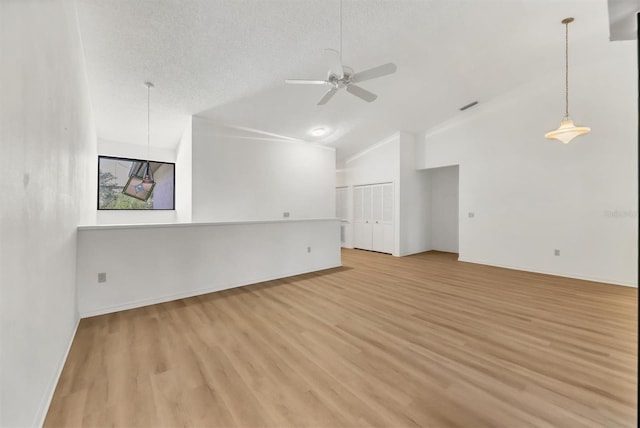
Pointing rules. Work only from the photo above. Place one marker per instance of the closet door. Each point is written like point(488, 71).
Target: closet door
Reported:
point(373, 217)
point(387, 218)
point(358, 218)
point(367, 207)
point(377, 226)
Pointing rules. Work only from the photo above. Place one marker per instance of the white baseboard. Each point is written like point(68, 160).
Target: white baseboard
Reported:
point(526, 269)
point(43, 408)
point(186, 294)
point(412, 252)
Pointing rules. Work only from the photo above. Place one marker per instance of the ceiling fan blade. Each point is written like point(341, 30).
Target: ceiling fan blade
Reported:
point(335, 65)
point(330, 93)
point(306, 82)
point(372, 73)
point(362, 93)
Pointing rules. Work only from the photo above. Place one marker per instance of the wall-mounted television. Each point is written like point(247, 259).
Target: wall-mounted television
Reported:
point(119, 187)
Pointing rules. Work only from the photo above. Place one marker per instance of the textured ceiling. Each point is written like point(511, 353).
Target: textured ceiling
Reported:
point(227, 60)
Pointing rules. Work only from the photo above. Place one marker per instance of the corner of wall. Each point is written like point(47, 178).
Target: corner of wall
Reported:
point(49, 147)
point(285, 178)
point(415, 188)
point(43, 408)
point(184, 175)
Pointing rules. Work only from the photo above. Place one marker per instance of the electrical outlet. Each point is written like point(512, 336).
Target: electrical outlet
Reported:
point(471, 215)
point(285, 214)
point(102, 277)
point(556, 252)
point(308, 249)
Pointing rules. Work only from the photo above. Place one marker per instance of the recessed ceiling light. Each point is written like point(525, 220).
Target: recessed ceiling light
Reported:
point(318, 132)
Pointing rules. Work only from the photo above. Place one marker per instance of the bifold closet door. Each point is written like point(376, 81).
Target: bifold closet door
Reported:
point(365, 237)
point(377, 228)
point(387, 218)
point(359, 233)
point(373, 217)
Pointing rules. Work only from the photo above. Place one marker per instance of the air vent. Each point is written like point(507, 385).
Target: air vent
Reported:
point(468, 106)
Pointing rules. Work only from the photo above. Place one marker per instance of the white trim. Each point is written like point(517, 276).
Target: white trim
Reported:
point(411, 253)
point(389, 139)
point(372, 184)
point(429, 168)
point(582, 278)
point(229, 223)
point(219, 128)
point(43, 408)
point(192, 293)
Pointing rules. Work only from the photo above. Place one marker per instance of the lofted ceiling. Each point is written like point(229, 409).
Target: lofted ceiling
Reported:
point(227, 60)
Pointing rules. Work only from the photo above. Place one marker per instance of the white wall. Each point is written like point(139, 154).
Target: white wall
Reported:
point(135, 151)
point(415, 198)
point(244, 177)
point(380, 163)
point(342, 178)
point(184, 165)
point(531, 195)
point(444, 208)
point(48, 162)
point(189, 259)
point(393, 160)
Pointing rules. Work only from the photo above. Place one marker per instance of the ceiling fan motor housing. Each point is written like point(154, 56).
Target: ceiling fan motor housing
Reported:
point(341, 83)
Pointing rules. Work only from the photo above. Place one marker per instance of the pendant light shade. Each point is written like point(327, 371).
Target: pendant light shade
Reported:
point(567, 131)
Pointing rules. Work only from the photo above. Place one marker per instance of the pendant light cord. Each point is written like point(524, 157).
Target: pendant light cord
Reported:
point(148, 174)
point(341, 31)
point(148, 122)
point(566, 74)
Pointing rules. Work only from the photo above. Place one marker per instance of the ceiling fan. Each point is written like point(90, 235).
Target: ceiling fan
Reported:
point(341, 77)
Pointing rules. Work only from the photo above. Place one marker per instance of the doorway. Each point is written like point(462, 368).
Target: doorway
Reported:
point(445, 218)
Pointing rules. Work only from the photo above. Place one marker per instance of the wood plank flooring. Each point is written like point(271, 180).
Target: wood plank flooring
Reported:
point(416, 341)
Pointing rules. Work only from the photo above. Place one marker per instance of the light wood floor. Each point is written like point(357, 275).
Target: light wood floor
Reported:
point(385, 342)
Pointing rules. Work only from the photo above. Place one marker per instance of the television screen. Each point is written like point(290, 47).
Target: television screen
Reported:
point(121, 186)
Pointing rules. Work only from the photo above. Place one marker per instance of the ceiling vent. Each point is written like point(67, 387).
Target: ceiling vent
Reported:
point(468, 106)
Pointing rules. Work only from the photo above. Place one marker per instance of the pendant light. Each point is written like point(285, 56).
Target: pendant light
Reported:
point(567, 131)
point(147, 178)
point(141, 187)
